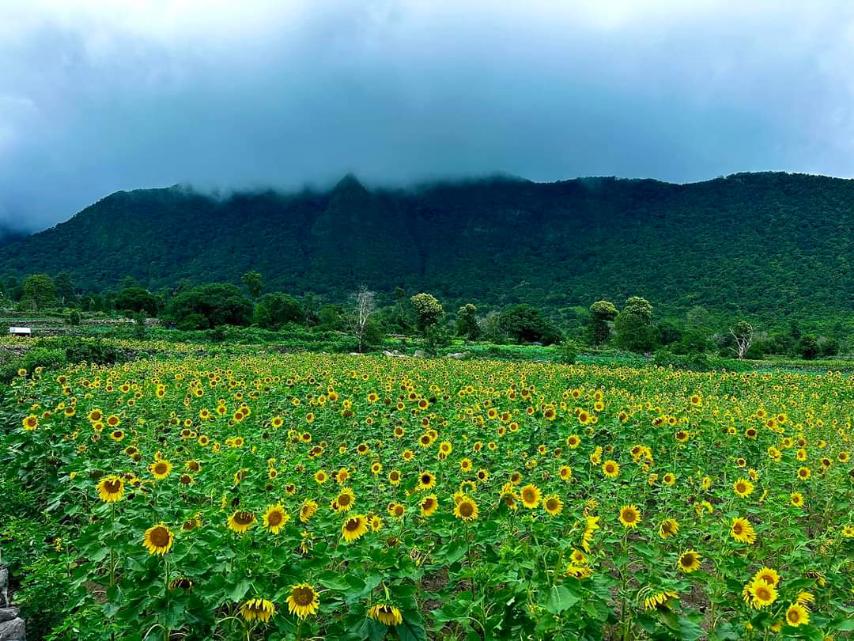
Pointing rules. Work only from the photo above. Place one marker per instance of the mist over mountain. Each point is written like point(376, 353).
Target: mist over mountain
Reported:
point(763, 244)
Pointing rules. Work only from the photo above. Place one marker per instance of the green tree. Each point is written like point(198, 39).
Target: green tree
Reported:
point(65, 289)
point(254, 283)
point(467, 322)
point(428, 311)
point(208, 306)
point(602, 313)
point(38, 291)
point(272, 311)
point(808, 346)
point(525, 324)
point(634, 327)
point(136, 299)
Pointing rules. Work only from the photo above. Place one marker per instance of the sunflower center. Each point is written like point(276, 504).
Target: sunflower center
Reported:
point(303, 596)
point(344, 499)
point(352, 525)
point(243, 518)
point(159, 537)
point(466, 508)
point(274, 518)
point(160, 468)
point(113, 486)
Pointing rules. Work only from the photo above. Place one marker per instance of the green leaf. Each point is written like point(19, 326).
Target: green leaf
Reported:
point(411, 631)
point(560, 599)
point(239, 591)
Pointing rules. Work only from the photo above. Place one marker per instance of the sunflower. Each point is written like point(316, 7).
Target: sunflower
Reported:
point(630, 516)
point(565, 473)
point(257, 609)
point(394, 477)
point(796, 499)
point(320, 477)
point(30, 422)
point(743, 488)
point(769, 575)
point(466, 509)
point(591, 524)
point(761, 594)
point(659, 599)
point(797, 614)
point(530, 495)
point(386, 614)
point(345, 500)
point(354, 527)
point(426, 481)
point(160, 469)
point(307, 510)
point(804, 473)
point(111, 488)
point(429, 505)
point(552, 505)
point(668, 528)
point(742, 531)
point(158, 539)
point(275, 518)
point(689, 562)
point(396, 510)
point(241, 521)
point(303, 600)
point(611, 469)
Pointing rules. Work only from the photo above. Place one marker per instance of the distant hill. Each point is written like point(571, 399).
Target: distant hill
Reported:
point(765, 244)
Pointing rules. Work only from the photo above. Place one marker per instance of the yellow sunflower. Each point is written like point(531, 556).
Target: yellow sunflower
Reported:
point(386, 614)
point(158, 539)
point(258, 609)
point(345, 500)
point(466, 509)
point(611, 469)
point(303, 600)
point(160, 469)
point(426, 481)
point(797, 614)
point(429, 505)
point(111, 488)
point(668, 528)
point(530, 495)
point(241, 521)
point(354, 527)
point(742, 531)
point(552, 505)
point(743, 488)
point(275, 518)
point(630, 516)
point(689, 561)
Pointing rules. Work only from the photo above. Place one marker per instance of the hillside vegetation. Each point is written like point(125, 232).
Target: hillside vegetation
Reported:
point(767, 244)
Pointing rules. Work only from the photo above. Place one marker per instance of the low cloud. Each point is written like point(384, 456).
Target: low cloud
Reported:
point(96, 97)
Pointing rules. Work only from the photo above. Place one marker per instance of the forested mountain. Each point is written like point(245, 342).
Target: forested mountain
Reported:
point(764, 244)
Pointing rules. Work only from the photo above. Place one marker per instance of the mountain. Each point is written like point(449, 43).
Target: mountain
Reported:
point(763, 244)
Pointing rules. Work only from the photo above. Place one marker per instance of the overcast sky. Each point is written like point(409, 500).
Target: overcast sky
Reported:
point(97, 96)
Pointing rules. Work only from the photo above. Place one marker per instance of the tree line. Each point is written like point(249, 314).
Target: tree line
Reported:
point(369, 317)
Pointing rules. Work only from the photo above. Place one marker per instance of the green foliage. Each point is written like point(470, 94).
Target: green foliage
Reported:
point(746, 245)
point(208, 306)
point(568, 352)
point(428, 311)
point(634, 327)
point(38, 291)
point(602, 313)
point(273, 311)
point(136, 299)
point(808, 347)
point(525, 324)
point(254, 283)
point(467, 324)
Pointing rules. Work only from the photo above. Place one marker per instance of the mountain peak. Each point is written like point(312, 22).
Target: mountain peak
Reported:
point(349, 183)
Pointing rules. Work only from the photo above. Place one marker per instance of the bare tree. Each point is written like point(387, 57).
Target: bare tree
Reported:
point(363, 306)
point(742, 332)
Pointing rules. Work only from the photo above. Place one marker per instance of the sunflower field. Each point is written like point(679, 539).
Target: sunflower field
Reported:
point(342, 497)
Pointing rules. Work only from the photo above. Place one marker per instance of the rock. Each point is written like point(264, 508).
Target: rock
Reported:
point(7, 614)
point(14, 630)
point(457, 355)
point(420, 353)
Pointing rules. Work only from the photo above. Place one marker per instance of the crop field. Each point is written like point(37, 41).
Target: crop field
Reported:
point(340, 497)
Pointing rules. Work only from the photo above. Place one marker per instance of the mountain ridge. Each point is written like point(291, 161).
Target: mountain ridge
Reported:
point(745, 243)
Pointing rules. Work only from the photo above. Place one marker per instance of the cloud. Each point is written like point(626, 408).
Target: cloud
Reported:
point(97, 96)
